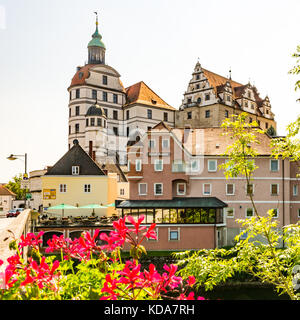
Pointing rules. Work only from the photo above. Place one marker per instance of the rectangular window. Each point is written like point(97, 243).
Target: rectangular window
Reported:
point(165, 143)
point(127, 115)
point(69, 129)
point(151, 144)
point(207, 189)
point(92, 122)
point(106, 112)
point(275, 213)
point(86, 122)
point(189, 115)
point(70, 112)
point(274, 189)
point(212, 165)
point(165, 116)
point(122, 192)
point(229, 212)
point(142, 189)
point(116, 131)
point(226, 114)
point(87, 188)
point(76, 127)
point(138, 165)
point(62, 188)
point(104, 96)
point(173, 235)
point(99, 122)
point(115, 115)
point(127, 131)
point(158, 189)
point(75, 170)
point(295, 190)
point(181, 189)
point(94, 94)
point(207, 113)
point(274, 165)
point(77, 93)
point(249, 189)
point(207, 97)
point(298, 213)
point(178, 166)
point(229, 189)
point(115, 98)
point(149, 114)
point(195, 166)
point(249, 212)
point(104, 80)
point(158, 165)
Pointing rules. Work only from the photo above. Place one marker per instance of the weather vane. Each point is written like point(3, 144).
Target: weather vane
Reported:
point(96, 13)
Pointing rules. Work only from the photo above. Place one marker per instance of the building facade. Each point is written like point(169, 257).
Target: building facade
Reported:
point(176, 165)
point(6, 199)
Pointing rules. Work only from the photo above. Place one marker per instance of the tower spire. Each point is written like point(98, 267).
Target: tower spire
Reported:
point(96, 47)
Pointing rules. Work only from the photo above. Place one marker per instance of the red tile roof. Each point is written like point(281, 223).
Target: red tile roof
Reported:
point(141, 93)
point(6, 192)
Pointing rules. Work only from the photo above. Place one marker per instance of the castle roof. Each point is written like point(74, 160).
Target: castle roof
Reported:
point(141, 93)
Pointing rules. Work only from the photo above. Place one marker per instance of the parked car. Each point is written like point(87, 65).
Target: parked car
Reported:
point(13, 213)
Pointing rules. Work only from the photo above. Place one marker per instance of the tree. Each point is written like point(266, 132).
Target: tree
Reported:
point(260, 258)
point(14, 185)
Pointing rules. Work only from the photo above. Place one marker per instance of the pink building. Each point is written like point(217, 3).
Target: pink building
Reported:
point(175, 181)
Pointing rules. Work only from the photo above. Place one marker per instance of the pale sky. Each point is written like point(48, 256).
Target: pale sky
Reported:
point(158, 41)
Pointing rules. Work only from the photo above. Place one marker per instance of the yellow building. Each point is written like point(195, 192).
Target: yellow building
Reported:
point(77, 180)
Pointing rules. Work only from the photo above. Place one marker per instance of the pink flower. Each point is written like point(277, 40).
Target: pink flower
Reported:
point(191, 281)
point(137, 229)
point(150, 233)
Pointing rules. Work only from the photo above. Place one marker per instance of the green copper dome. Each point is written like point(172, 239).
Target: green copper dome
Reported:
point(96, 41)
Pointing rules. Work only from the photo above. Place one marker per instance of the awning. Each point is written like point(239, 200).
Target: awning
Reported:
point(204, 202)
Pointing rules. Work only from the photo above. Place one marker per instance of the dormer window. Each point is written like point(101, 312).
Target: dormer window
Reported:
point(75, 170)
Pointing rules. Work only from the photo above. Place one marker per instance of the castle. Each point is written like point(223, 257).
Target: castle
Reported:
point(104, 116)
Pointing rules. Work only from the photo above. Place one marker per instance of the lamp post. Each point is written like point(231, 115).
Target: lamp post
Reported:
point(15, 157)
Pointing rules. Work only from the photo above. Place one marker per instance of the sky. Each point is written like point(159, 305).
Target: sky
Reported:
point(159, 41)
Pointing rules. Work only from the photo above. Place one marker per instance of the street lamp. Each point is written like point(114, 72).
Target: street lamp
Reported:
point(15, 157)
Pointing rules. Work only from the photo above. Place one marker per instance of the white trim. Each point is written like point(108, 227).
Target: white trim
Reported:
point(206, 194)
point(162, 164)
point(230, 194)
point(154, 144)
point(135, 177)
point(278, 168)
point(178, 193)
point(75, 170)
point(275, 194)
point(295, 193)
point(198, 165)
point(225, 212)
point(277, 213)
point(246, 212)
point(154, 240)
point(215, 161)
point(162, 189)
point(136, 164)
point(169, 233)
point(143, 194)
point(162, 143)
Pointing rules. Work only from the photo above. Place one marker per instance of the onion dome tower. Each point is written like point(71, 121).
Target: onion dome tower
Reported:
point(96, 48)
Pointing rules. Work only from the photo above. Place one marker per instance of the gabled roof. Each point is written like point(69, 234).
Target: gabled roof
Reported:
point(6, 192)
point(76, 156)
point(216, 80)
point(141, 93)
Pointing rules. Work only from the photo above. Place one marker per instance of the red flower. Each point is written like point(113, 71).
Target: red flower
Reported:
point(137, 229)
point(191, 281)
point(150, 233)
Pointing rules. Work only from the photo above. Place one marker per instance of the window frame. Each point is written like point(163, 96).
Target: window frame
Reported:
point(295, 193)
point(226, 212)
point(162, 189)
point(168, 143)
point(177, 189)
point(277, 189)
point(75, 170)
point(87, 188)
point(250, 184)
point(233, 188)
point(149, 114)
point(138, 165)
point(272, 160)
point(62, 188)
point(162, 164)
point(197, 167)
point(246, 209)
point(171, 231)
point(212, 160)
point(203, 189)
point(139, 189)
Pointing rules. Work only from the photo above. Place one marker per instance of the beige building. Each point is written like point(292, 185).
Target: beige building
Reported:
point(211, 98)
point(35, 188)
point(78, 181)
point(6, 199)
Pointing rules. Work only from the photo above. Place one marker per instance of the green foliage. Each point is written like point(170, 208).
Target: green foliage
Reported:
point(14, 185)
point(296, 69)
